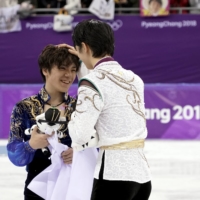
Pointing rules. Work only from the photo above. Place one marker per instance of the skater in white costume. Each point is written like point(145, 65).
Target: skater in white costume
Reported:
point(110, 107)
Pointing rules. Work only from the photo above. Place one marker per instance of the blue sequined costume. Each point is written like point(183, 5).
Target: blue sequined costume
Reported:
point(23, 116)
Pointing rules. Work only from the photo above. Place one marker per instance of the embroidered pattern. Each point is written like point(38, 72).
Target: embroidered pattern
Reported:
point(33, 107)
point(86, 97)
point(44, 95)
point(127, 85)
point(28, 147)
point(25, 112)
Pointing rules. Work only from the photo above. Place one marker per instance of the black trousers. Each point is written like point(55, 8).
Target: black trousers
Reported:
point(119, 190)
point(28, 194)
point(29, 197)
point(38, 164)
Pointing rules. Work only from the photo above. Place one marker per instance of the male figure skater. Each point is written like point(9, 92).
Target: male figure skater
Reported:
point(58, 69)
point(110, 106)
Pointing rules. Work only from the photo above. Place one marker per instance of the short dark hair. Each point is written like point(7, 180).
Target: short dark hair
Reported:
point(158, 1)
point(97, 35)
point(52, 55)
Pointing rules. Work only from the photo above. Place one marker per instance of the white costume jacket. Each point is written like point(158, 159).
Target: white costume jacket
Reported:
point(114, 112)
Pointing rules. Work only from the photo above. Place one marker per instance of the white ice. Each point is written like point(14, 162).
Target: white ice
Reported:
point(175, 167)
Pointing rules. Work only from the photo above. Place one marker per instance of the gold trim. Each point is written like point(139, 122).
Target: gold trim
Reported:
point(53, 115)
point(127, 85)
point(44, 95)
point(134, 144)
point(92, 99)
point(143, 157)
point(34, 105)
point(90, 88)
point(57, 117)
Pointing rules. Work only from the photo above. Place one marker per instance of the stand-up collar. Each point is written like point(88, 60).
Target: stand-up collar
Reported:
point(46, 97)
point(105, 59)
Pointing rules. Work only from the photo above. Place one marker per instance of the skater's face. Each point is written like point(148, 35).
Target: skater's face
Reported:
point(60, 79)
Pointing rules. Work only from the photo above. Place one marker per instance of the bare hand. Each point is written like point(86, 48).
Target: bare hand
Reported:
point(71, 49)
point(67, 156)
point(38, 140)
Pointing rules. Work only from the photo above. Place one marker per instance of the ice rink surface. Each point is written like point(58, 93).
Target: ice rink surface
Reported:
point(175, 167)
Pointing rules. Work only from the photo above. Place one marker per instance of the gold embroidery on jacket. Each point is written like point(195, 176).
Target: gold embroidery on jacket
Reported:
point(44, 94)
point(33, 107)
point(127, 85)
point(92, 100)
point(85, 98)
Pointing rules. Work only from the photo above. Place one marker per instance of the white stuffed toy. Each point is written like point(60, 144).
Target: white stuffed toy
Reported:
point(48, 122)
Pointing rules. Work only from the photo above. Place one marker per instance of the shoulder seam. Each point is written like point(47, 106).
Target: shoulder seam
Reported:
point(91, 89)
point(93, 84)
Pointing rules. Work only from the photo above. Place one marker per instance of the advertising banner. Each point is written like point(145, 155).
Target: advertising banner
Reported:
point(172, 110)
point(158, 49)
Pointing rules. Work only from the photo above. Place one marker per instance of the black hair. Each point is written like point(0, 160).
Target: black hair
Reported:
point(52, 55)
point(97, 35)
